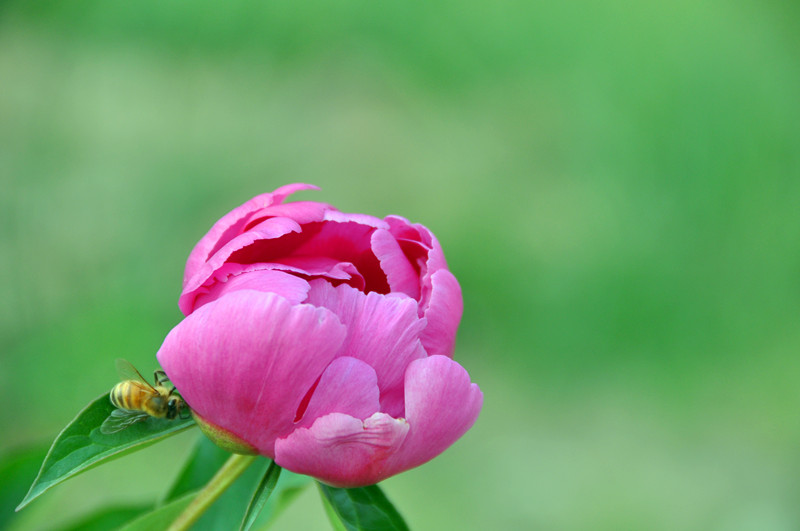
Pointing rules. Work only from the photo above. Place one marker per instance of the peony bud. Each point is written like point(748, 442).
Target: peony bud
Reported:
point(322, 340)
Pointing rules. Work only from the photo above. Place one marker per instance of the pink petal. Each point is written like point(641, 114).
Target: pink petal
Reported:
point(401, 228)
point(443, 314)
point(300, 211)
point(246, 361)
point(258, 277)
point(341, 450)
point(382, 331)
point(441, 405)
point(362, 219)
point(232, 223)
point(409, 238)
point(340, 242)
point(347, 386)
point(280, 194)
point(423, 249)
point(322, 266)
point(270, 229)
point(435, 262)
point(345, 242)
point(283, 239)
point(401, 275)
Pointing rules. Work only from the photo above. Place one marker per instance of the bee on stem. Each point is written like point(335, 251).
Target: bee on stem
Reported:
point(136, 400)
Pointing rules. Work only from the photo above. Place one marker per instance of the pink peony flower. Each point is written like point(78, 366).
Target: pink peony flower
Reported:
point(322, 340)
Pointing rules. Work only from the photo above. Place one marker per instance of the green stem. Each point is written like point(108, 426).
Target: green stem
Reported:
point(225, 476)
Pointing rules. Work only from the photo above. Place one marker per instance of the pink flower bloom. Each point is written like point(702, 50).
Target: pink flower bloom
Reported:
point(322, 339)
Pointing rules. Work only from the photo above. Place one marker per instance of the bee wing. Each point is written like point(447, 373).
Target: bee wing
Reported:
point(119, 419)
point(127, 371)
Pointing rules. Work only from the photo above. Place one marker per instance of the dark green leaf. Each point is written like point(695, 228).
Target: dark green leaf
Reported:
point(261, 495)
point(363, 508)
point(81, 445)
point(109, 518)
point(333, 518)
point(160, 517)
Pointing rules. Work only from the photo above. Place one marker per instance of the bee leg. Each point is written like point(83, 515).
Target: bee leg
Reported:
point(160, 377)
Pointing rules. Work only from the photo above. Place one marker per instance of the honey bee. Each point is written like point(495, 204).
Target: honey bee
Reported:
point(136, 400)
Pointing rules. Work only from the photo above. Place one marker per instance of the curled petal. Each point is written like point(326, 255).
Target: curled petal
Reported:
point(422, 248)
point(436, 260)
point(441, 405)
point(246, 361)
point(270, 229)
point(442, 314)
point(382, 331)
point(324, 267)
point(434, 264)
point(402, 229)
point(345, 242)
point(280, 194)
point(361, 219)
point(258, 277)
point(400, 274)
point(410, 242)
point(300, 211)
point(233, 223)
point(347, 386)
point(341, 450)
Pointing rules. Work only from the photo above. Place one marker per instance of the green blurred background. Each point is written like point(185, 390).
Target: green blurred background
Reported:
point(615, 184)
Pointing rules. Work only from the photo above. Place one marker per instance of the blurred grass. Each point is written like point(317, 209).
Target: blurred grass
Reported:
point(616, 186)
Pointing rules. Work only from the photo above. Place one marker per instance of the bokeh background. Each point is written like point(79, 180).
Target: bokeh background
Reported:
point(615, 184)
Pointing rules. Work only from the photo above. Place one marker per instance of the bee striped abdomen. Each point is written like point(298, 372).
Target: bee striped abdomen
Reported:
point(128, 395)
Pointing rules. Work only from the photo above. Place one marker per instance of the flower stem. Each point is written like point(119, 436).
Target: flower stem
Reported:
point(225, 476)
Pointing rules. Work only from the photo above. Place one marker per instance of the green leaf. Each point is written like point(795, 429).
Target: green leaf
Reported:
point(108, 518)
point(160, 517)
point(363, 508)
point(333, 518)
point(227, 512)
point(81, 446)
point(261, 495)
